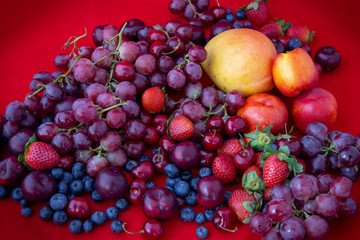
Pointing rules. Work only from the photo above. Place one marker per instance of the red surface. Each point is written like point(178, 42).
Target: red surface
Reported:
point(32, 33)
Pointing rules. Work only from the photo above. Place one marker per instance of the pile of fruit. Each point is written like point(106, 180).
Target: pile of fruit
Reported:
point(116, 117)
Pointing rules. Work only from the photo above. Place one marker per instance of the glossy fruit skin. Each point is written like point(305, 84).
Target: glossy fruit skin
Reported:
point(11, 171)
point(38, 186)
point(153, 100)
point(292, 144)
point(275, 171)
point(159, 203)
point(314, 105)
point(224, 169)
point(224, 219)
point(111, 183)
point(137, 189)
point(328, 57)
point(210, 191)
point(185, 155)
point(153, 229)
point(236, 201)
point(144, 170)
point(181, 128)
point(264, 109)
point(78, 207)
point(244, 158)
point(41, 156)
point(294, 71)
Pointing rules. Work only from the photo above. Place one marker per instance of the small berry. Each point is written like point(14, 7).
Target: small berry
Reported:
point(17, 195)
point(205, 171)
point(200, 218)
point(67, 177)
point(96, 196)
point(240, 14)
point(57, 173)
point(238, 24)
point(26, 212)
point(186, 175)
point(172, 181)
point(187, 214)
point(191, 198)
point(76, 226)
point(78, 170)
point(130, 165)
point(181, 189)
point(122, 204)
point(202, 232)
point(46, 213)
point(171, 170)
point(89, 183)
point(112, 213)
point(58, 201)
point(230, 18)
point(150, 185)
point(24, 203)
point(88, 226)
point(145, 158)
point(227, 195)
point(98, 218)
point(193, 183)
point(63, 188)
point(294, 43)
point(60, 217)
point(3, 192)
point(76, 187)
point(209, 214)
point(116, 226)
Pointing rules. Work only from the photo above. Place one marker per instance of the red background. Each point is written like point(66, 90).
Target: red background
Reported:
point(32, 33)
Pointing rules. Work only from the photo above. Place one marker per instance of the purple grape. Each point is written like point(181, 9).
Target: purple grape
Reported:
point(176, 79)
point(333, 134)
point(347, 207)
point(328, 57)
point(134, 149)
point(117, 158)
point(193, 90)
point(273, 234)
point(348, 156)
point(83, 156)
point(317, 164)
point(97, 35)
point(132, 28)
point(111, 141)
point(165, 64)
point(177, 6)
point(318, 130)
point(325, 181)
point(143, 32)
point(278, 210)
point(316, 227)
point(220, 27)
point(141, 82)
point(189, 12)
point(352, 173)
point(65, 119)
point(31, 104)
point(86, 51)
point(176, 47)
point(10, 129)
point(132, 109)
point(85, 113)
point(209, 97)
point(192, 110)
point(292, 229)
point(341, 187)
point(234, 100)
point(62, 143)
point(82, 140)
point(105, 55)
point(54, 92)
point(193, 71)
point(260, 223)
point(310, 146)
point(310, 206)
point(116, 118)
point(14, 111)
point(135, 129)
point(146, 64)
point(129, 51)
point(16, 144)
point(326, 205)
point(333, 161)
point(282, 191)
point(84, 71)
point(47, 105)
point(97, 129)
point(64, 105)
point(343, 140)
point(171, 26)
point(304, 186)
point(101, 76)
point(157, 79)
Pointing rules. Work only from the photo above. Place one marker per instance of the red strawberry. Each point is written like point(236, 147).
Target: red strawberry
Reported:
point(275, 171)
point(257, 12)
point(243, 204)
point(257, 157)
point(251, 180)
point(267, 194)
point(153, 100)
point(41, 156)
point(271, 30)
point(224, 169)
point(301, 32)
point(300, 161)
point(230, 147)
point(181, 128)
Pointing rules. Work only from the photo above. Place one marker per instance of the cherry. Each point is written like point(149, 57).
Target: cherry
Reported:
point(244, 158)
point(220, 27)
point(185, 155)
point(207, 18)
point(207, 157)
point(134, 149)
point(166, 143)
point(158, 48)
point(151, 137)
point(159, 203)
point(137, 189)
point(212, 140)
point(291, 143)
point(146, 118)
point(144, 170)
point(215, 123)
point(11, 171)
point(160, 159)
point(218, 12)
point(159, 122)
point(234, 125)
point(210, 191)
point(38, 186)
point(111, 183)
point(156, 35)
point(153, 229)
point(328, 57)
point(78, 207)
point(225, 219)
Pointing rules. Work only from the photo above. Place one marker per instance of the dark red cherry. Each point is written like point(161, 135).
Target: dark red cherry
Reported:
point(153, 229)
point(215, 123)
point(144, 170)
point(210, 191)
point(166, 143)
point(225, 219)
point(211, 141)
point(78, 207)
point(160, 159)
point(244, 158)
point(159, 122)
point(137, 189)
point(207, 157)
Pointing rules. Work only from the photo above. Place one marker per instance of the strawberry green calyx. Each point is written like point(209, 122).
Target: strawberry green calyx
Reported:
point(21, 157)
point(284, 26)
point(260, 139)
point(249, 206)
point(251, 182)
point(253, 5)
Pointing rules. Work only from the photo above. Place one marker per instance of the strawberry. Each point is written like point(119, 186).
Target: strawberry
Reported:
point(271, 30)
point(251, 180)
point(267, 194)
point(41, 156)
point(181, 128)
point(243, 204)
point(230, 147)
point(257, 12)
point(300, 161)
point(257, 158)
point(301, 32)
point(275, 171)
point(153, 100)
point(224, 169)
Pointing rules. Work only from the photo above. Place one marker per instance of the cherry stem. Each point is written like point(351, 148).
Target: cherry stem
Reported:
point(68, 43)
point(57, 79)
point(228, 230)
point(174, 50)
point(217, 1)
point(123, 226)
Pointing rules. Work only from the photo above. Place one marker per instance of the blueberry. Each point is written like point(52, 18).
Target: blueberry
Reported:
point(69, 197)
point(172, 181)
point(228, 11)
point(130, 165)
point(181, 189)
point(209, 214)
point(122, 204)
point(63, 188)
point(227, 194)
point(76, 187)
point(240, 14)
point(3, 192)
point(193, 183)
point(47, 119)
point(191, 199)
point(57, 173)
point(89, 183)
point(202, 232)
point(46, 213)
point(294, 43)
point(229, 18)
point(186, 175)
point(116, 226)
point(112, 213)
point(58, 201)
point(76, 226)
point(24, 203)
point(78, 170)
point(60, 217)
point(67, 177)
point(98, 218)
point(187, 214)
point(150, 185)
point(200, 218)
point(274, 146)
point(17, 195)
point(247, 24)
point(88, 226)
point(238, 24)
point(26, 212)
point(145, 158)
point(205, 171)
point(96, 196)
point(171, 170)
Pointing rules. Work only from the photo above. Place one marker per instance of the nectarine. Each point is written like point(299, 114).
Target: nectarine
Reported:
point(240, 59)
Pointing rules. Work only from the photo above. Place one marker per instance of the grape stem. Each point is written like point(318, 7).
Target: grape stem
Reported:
point(195, 12)
point(112, 107)
point(68, 43)
point(57, 79)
